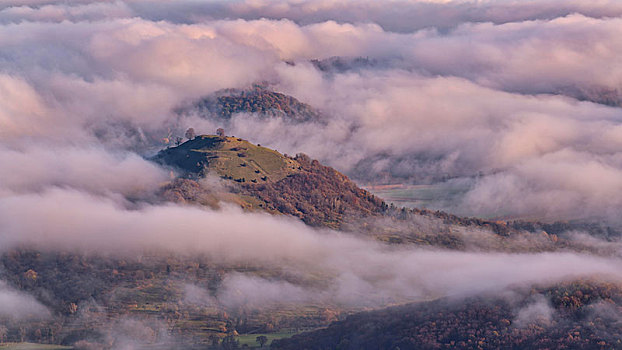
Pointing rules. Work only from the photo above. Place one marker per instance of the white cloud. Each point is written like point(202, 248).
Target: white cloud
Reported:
point(17, 305)
point(360, 271)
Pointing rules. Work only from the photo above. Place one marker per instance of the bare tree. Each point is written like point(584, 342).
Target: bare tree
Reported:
point(220, 132)
point(190, 135)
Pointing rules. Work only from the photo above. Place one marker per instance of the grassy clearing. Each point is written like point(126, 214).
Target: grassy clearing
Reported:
point(229, 157)
point(420, 196)
point(251, 339)
point(240, 159)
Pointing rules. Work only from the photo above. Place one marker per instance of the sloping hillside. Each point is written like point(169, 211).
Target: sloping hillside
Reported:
point(259, 178)
point(581, 315)
point(267, 180)
point(96, 299)
point(317, 194)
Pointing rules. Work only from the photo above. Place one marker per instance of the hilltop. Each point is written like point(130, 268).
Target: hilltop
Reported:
point(267, 180)
point(228, 157)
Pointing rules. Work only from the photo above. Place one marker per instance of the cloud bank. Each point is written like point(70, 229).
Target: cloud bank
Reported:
point(520, 102)
point(17, 305)
point(506, 97)
point(357, 271)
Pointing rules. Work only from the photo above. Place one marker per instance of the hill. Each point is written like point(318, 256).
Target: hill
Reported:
point(94, 298)
point(338, 64)
point(268, 180)
point(581, 315)
point(258, 99)
point(258, 178)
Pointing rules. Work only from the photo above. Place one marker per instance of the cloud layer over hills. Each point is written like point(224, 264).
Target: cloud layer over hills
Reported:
point(509, 98)
point(360, 271)
point(518, 100)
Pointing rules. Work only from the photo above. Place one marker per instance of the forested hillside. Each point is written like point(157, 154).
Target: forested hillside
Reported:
point(581, 315)
point(258, 99)
point(258, 178)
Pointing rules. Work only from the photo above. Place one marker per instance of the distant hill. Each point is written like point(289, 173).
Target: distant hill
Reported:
point(338, 64)
point(258, 99)
point(577, 319)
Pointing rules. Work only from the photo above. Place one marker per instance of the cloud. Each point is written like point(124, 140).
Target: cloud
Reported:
point(22, 112)
point(87, 168)
point(490, 94)
point(401, 16)
point(504, 144)
point(47, 11)
point(255, 292)
point(357, 271)
point(483, 92)
point(17, 305)
point(537, 311)
point(549, 188)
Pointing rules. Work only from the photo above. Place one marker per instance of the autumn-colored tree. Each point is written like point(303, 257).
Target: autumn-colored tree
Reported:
point(190, 134)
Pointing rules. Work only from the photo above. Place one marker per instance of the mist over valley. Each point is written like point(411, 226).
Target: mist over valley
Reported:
point(410, 174)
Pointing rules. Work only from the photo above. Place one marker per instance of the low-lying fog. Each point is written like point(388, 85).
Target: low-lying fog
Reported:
point(521, 100)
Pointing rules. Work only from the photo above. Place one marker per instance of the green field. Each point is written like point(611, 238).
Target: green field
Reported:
point(251, 339)
point(231, 158)
point(240, 159)
point(434, 196)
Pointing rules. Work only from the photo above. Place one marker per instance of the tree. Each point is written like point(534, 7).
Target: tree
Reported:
point(22, 334)
point(262, 340)
point(214, 339)
point(178, 140)
point(220, 132)
point(4, 331)
point(190, 134)
point(229, 342)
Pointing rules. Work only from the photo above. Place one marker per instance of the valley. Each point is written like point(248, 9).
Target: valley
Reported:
point(159, 298)
point(310, 174)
